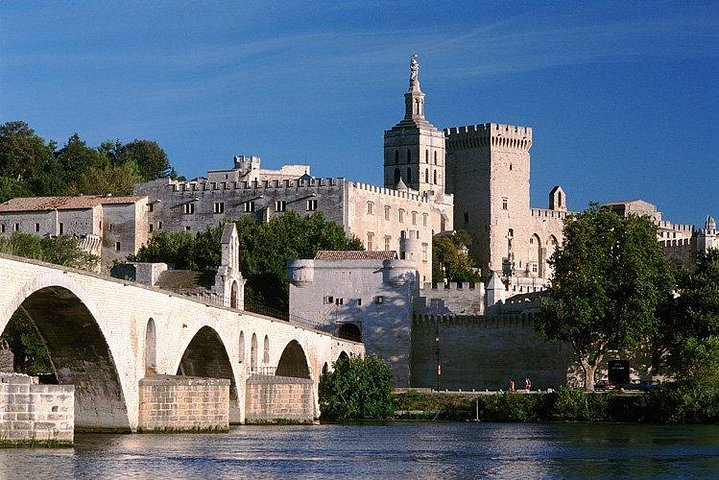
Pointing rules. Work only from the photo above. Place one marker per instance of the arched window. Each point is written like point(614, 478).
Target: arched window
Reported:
point(426, 156)
point(396, 157)
point(150, 348)
point(435, 158)
point(397, 176)
point(253, 353)
point(409, 176)
point(409, 156)
point(435, 177)
point(233, 295)
point(426, 175)
point(241, 350)
point(266, 354)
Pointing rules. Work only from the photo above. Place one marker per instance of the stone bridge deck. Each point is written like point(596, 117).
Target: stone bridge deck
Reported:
point(104, 335)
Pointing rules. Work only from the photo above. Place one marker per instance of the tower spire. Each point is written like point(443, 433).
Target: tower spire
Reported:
point(414, 98)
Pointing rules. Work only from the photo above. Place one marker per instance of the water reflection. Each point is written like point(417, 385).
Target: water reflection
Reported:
point(405, 450)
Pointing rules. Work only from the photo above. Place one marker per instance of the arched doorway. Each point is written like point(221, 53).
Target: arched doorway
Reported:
point(150, 348)
point(350, 331)
point(551, 247)
point(293, 362)
point(206, 356)
point(343, 356)
point(535, 263)
point(79, 355)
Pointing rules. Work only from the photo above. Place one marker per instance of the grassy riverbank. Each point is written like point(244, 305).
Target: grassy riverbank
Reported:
point(661, 406)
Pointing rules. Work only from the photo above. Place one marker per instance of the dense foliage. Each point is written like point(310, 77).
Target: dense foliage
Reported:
point(28, 348)
point(265, 249)
point(610, 284)
point(356, 389)
point(32, 166)
point(450, 258)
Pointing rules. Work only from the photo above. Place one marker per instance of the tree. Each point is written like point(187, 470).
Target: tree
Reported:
point(23, 153)
point(450, 258)
point(357, 388)
point(151, 160)
point(11, 188)
point(610, 280)
point(112, 179)
point(698, 302)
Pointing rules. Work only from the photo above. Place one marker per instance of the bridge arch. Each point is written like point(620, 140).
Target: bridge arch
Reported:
point(206, 356)
point(350, 331)
point(71, 327)
point(293, 362)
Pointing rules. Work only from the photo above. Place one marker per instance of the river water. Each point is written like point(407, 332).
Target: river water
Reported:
point(394, 450)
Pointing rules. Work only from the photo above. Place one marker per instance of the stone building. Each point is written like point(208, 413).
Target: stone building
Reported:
point(107, 226)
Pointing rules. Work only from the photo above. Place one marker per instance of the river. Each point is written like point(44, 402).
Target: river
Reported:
point(395, 450)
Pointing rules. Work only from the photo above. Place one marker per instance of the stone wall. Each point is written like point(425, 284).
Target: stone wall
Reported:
point(33, 414)
point(184, 404)
point(273, 398)
point(453, 298)
point(477, 352)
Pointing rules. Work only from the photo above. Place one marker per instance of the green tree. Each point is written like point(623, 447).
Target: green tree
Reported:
point(112, 179)
point(610, 280)
point(150, 158)
point(23, 153)
point(175, 248)
point(450, 258)
point(76, 158)
point(357, 388)
point(11, 188)
point(698, 302)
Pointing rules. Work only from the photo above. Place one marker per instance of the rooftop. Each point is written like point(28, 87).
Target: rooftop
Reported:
point(25, 204)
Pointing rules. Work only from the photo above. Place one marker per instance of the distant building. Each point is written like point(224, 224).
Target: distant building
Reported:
point(107, 226)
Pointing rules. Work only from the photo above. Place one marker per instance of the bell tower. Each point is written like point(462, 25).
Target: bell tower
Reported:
point(414, 148)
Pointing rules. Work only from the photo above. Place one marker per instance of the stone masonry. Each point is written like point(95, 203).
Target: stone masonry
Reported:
point(33, 414)
point(170, 403)
point(272, 398)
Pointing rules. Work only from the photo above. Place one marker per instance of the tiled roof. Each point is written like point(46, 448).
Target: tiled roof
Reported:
point(26, 204)
point(355, 255)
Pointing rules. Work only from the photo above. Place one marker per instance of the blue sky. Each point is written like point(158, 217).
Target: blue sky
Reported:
point(622, 96)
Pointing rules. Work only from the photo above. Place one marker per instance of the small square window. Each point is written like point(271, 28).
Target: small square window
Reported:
point(329, 299)
point(218, 207)
point(2, 228)
point(311, 205)
point(151, 228)
point(379, 299)
point(249, 207)
point(339, 301)
point(359, 302)
point(280, 206)
point(150, 207)
point(17, 227)
point(187, 228)
point(188, 208)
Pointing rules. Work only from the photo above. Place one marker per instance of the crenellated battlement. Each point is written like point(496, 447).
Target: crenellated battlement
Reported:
point(489, 135)
point(199, 186)
point(407, 195)
point(503, 321)
point(463, 286)
point(676, 242)
point(678, 227)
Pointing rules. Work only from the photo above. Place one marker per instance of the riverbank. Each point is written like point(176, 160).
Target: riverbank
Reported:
point(561, 405)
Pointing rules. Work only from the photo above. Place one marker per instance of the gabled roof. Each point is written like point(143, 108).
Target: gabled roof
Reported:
point(26, 204)
point(355, 255)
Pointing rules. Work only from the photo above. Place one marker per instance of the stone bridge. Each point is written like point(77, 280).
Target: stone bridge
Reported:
point(104, 335)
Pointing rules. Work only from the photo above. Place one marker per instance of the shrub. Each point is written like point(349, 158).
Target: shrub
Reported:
point(357, 388)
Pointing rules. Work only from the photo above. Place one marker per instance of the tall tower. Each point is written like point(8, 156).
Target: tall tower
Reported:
point(488, 173)
point(414, 148)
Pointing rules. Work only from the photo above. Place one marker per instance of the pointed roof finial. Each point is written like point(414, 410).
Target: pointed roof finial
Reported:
point(413, 72)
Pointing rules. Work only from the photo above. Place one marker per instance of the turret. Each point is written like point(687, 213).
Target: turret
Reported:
point(301, 273)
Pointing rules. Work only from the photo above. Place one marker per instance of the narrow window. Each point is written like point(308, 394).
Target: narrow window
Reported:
point(188, 208)
point(435, 158)
point(370, 241)
point(387, 209)
point(379, 299)
point(62, 228)
point(151, 227)
point(150, 207)
point(466, 217)
point(159, 225)
point(396, 176)
point(409, 156)
point(218, 207)
point(280, 205)
point(409, 176)
point(387, 241)
point(2, 228)
point(37, 227)
point(414, 218)
point(311, 205)
point(426, 156)
point(401, 215)
point(329, 299)
point(424, 219)
point(396, 157)
point(424, 252)
point(359, 302)
point(426, 175)
point(435, 177)
point(370, 208)
point(117, 246)
point(504, 203)
point(187, 228)
point(17, 228)
point(249, 207)
point(339, 301)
